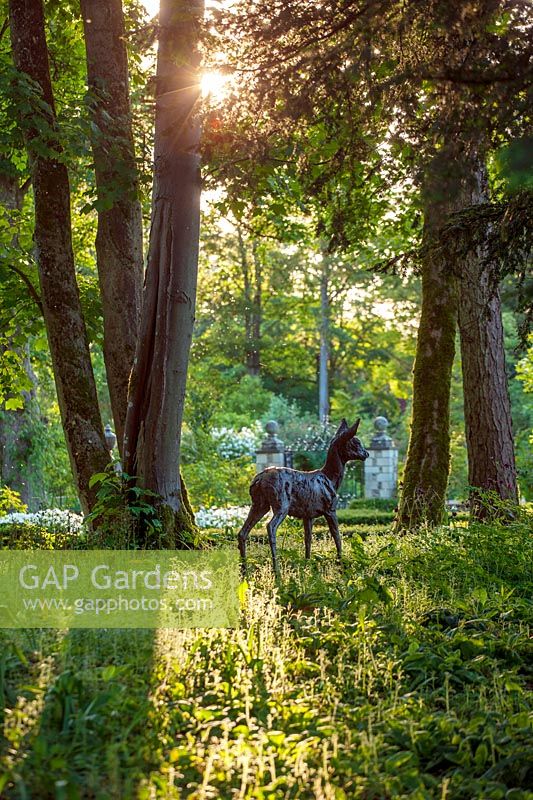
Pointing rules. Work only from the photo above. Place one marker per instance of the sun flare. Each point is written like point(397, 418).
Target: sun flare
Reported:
point(213, 84)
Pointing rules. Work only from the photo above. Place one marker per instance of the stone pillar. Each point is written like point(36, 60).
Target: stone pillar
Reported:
point(272, 451)
point(381, 467)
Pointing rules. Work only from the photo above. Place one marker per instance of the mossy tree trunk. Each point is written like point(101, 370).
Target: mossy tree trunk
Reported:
point(157, 386)
point(119, 237)
point(449, 186)
point(65, 327)
point(489, 436)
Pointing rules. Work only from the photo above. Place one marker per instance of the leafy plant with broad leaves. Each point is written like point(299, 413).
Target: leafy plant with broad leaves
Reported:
point(121, 508)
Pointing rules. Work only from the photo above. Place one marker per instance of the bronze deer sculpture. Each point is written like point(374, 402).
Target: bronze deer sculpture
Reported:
point(304, 495)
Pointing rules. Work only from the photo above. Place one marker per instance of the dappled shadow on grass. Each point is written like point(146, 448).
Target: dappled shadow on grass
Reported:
point(87, 740)
point(29, 663)
point(374, 697)
point(402, 672)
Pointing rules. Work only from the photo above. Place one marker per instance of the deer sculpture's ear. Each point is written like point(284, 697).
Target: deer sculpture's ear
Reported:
point(350, 432)
point(343, 427)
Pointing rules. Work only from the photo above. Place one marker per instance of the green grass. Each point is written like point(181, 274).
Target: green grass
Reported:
point(405, 672)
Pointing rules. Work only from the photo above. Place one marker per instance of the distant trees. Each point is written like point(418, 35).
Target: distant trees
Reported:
point(364, 119)
point(390, 90)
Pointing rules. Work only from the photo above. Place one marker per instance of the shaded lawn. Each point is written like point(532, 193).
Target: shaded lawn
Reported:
point(407, 672)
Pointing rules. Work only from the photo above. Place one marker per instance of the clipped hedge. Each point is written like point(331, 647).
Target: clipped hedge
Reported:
point(365, 516)
point(378, 503)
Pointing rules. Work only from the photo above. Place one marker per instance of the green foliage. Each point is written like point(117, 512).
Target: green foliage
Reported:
point(49, 472)
point(244, 401)
point(404, 673)
point(24, 536)
point(514, 167)
point(524, 368)
point(521, 391)
point(121, 510)
point(365, 516)
point(290, 417)
point(213, 481)
point(128, 516)
point(378, 503)
point(10, 501)
point(14, 379)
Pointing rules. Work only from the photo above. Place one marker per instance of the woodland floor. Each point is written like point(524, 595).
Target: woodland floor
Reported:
point(405, 673)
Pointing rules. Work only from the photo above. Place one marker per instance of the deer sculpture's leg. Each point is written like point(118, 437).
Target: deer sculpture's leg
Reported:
point(333, 525)
point(272, 528)
point(256, 513)
point(308, 533)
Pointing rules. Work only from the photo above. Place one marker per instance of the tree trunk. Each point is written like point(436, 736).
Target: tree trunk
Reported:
point(63, 318)
point(448, 187)
point(119, 237)
point(252, 305)
point(489, 437)
point(323, 362)
point(157, 386)
point(247, 290)
point(257, 312)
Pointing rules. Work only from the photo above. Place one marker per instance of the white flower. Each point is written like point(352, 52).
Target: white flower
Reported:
point(230, 517)
point(53, 519)
point(233, 444)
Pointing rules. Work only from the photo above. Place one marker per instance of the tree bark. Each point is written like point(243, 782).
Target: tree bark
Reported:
point(323, 361)
point(63, 317)
point(252, 305)
point(257, 312)
point(489, 436)
point(119, 238)
point(448, 187)
point(157, 386)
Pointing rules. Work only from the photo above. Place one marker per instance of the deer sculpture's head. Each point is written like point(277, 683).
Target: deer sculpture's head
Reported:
point(350, 448)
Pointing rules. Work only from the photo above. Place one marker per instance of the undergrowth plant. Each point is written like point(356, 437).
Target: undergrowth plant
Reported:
point(10, 501)
point(121, 511)
point(403, 672)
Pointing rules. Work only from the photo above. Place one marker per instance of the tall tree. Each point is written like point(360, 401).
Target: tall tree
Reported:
point(157, 386)
point(63, 317)
point(119, 237)
point(489, 436)
point(447, 188)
